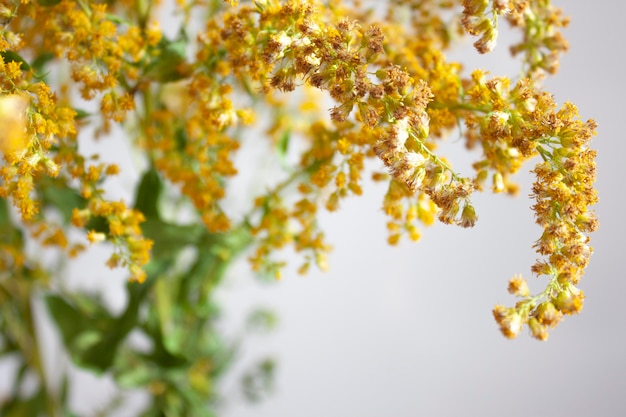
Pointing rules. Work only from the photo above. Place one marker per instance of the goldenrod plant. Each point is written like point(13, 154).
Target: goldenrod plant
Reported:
point(257, 75)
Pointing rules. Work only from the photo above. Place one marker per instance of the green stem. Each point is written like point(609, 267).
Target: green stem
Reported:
point(279, 188)
point(17, 293)
point(85, 6)
point(434, 157)
point(459, 106)
point(35, 360)
point(143, 9)
point(552, 287)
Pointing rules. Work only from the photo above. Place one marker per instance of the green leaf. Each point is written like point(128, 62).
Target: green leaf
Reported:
point(282, 147)
point(169, 239)
point(19, 377)
point(5, 218)
point(120, 20)
point(63, 393)
point(165, 67)
point(41, 60)
point(19, 406)
point(134, 377)
point(173, 337)
point(48, 3)
point(87, 340)
point(101, 356)
point(81, 114)
point(181, 139)
point(56, 193)
point(148, 194)
point(10, 56)
point(98, 224)
point(68, 318)
point(39, 63)
point(90, 333)
point(176, 340)
point(11, 234)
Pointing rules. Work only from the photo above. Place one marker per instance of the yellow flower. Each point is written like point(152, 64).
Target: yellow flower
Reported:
point(518, 286)
point(13, 138)
point(95, 237)
point(509, 319)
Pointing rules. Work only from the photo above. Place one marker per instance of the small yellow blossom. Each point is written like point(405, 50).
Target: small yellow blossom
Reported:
point(518, 286)
point(509, 319)
point(13, 135)
point(95, 237)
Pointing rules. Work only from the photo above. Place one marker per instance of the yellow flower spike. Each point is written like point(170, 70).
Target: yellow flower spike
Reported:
point(332, 204)
point(55, 237)
point(246, 116)
point(6, 14)
point(116, 228)
point(12, 70)
point(414, 233)
point(80, 217)
point(190, 129)
point(509, 319)
point(112, 169)
point(278, 275)
point(548, 314)
point(340, 180)
point(394, 239)
point(498, 183)
point(569, 301)
point(538, 330)
point(153, 33)
point(95, 237)
point(427, 210)
point(137, 274)
point(51, 167)
point(76, 249)
point(518, 286)
point(468, 216)
point(114, 261)
point(304, 268)
point(321, 260)
point(343, 145)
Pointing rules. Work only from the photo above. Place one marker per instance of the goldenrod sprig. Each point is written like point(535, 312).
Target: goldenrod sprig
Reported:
point(538, 20)
point(564, 193)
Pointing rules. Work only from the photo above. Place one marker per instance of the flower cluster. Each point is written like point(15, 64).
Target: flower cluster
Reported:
point(187, 103)
point(237, 101)
point(563, 193)
point(538, 20)
point(103, 53)
point(382, 111)
point(40, 148)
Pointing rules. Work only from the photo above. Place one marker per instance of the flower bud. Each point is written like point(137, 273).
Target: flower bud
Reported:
point(547, 314)
point(498, 183)
point(509, 319)
point(518, 286)
point(569, 301)
point(468, 216)
point(538, 330)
